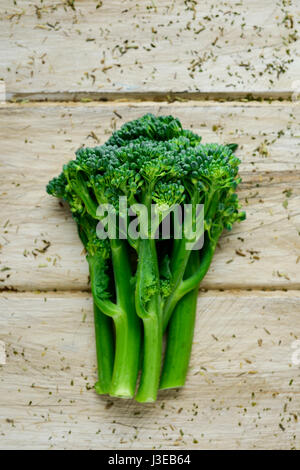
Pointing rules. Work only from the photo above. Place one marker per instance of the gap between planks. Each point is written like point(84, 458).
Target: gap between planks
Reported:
point(155, 96)
point(235, 292)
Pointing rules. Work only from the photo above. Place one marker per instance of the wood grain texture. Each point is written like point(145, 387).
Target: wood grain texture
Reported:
point(68, 49)
point(242, 390)
point(262, 252)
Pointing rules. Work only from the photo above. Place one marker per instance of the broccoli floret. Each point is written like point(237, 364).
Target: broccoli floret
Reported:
point(146, 284)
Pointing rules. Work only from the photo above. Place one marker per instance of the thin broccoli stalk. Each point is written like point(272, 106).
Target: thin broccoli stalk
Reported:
point(127, 325)
point(127, 328)
point(148, 308)
point(180, 335)
point(103, 326)
point(180, 258)
point(212, 236)
point(178, 266)
point(187, 285)
point(104, 350)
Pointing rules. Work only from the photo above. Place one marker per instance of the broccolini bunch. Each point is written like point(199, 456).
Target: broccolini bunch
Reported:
point(143, 286)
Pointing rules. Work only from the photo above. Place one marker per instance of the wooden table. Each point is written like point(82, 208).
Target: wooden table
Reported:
point(76, 70)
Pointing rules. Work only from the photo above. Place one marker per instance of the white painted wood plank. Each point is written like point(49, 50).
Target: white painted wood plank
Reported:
point(242, 390)
point(52, 50)
point(37, 140)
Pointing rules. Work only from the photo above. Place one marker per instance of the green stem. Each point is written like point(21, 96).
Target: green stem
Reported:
point(192, 282)
point(148, 307)
point(180, 258)
point(181, 325)
point(104, 350)
point(180, 335)
point(179, 262)
point(149, 384)
point(126, 322)
point(127, 325)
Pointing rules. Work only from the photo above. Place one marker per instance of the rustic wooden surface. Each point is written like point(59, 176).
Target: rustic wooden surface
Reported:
point(242, 390)
point(60, 48)
point(243, 384)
